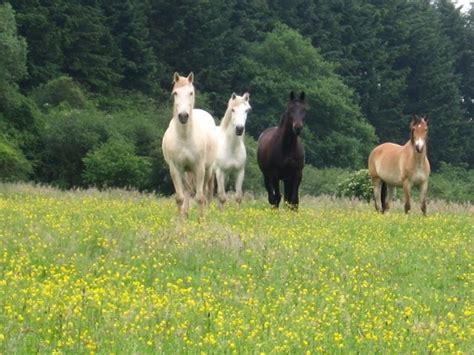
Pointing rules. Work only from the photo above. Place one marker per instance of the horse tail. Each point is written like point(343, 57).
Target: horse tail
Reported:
point(383, 195)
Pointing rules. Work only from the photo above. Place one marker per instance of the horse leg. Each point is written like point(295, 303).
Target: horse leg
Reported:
point(406, 190)
point(179, 190)
point(220, 177)
point(292, 185)
point(377, 194)
point(287, 189)
point(209, 184)
point(389, 197)
point(423, 191)
point(200, 180)
point(276, 188)
point(296, 185)
point(269, 185)
point(239, 180)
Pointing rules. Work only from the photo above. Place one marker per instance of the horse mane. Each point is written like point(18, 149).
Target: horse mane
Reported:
point(283, 118)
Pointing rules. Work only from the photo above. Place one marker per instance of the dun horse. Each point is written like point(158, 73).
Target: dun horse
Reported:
point(189, 146)
point(231, 154)
point(393, 165)
point(280, 154)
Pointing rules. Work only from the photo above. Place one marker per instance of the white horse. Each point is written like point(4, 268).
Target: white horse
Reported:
point(190, 146)
point(231, 153)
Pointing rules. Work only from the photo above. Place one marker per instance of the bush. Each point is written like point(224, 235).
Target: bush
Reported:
point(318, 182)
point(58, 91)
point(357, 185)
point(140, 121)
point(67, 136)
point(13, 164)
point(452, 183)
point(115, 164)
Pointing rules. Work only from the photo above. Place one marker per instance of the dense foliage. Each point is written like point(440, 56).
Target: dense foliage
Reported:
point(74, 74)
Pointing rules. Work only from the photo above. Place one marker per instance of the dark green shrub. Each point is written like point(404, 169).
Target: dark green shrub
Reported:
point(13, 164)
point(321, 181)
point(58, 91)
point(115, 164)
point(357, 185)
point(67, 136)
point(452, 183)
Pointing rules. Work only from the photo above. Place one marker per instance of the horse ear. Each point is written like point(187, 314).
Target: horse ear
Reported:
point(426, 119)
point(247, 96)
point(302, 96)
point(234, 95)
point(175, 77)
point(191, 77)
point(292, 95)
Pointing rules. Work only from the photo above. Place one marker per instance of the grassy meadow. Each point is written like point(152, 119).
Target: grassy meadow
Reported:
point(120, 272)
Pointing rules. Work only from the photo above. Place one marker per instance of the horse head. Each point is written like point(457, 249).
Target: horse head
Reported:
point(296, 112)
point(419, 132)
point(183, 93)
point(240, 107)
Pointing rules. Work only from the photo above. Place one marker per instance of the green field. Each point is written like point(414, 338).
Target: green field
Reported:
point(119, 272)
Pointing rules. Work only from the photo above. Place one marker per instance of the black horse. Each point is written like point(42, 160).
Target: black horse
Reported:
point(280, 154)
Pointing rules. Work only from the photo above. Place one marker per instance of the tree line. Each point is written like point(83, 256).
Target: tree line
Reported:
point(84, 85)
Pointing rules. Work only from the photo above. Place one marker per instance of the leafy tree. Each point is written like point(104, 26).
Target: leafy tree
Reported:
point(460, 31)
point(13, 164)
point(18, 115)
point(337, 134)
point(88, 47)
point(127, 22)
point(12, 50)
point(432, 85)
point(38, 22)
point(207, 37)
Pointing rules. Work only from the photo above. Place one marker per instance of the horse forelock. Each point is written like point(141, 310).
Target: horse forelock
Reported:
point(237, 101)
point(296, 105)
point(234, 101)
point(181, 82)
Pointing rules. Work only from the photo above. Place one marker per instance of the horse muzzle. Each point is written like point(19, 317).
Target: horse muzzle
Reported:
point(297, 130)
point(419, 145)
point(183, 117)
point(239, 130)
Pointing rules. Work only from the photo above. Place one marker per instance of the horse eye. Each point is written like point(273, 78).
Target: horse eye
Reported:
point(247, 110)
point(174, 93)
point(190, 94)
point(233, 110)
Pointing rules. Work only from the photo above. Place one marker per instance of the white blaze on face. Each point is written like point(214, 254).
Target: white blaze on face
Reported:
point(419, 144)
